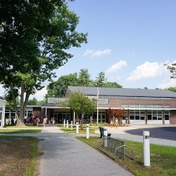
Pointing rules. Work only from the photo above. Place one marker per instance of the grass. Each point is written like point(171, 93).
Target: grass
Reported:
point(92, 129)
point(162, 159)
point(18, 155)
point(16, 129)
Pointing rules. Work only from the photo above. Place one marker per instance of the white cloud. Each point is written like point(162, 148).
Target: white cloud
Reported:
point(147, 70)
point(98, 53)
point(39, 95)
point(116, 66)
point(167, 83)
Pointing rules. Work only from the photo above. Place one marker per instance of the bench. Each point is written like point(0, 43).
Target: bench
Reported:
point(115, 148)
point(102, 132)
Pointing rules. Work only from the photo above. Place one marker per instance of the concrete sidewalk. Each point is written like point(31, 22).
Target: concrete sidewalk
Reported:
point(64, 155)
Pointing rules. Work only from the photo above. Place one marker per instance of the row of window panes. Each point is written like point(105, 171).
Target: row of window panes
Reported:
point(149, 117)
point(152, 115)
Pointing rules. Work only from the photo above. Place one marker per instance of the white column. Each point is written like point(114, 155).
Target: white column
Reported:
point(67, 123)
point(87, 131)
point(74, 117)
point(64, 122)
point(146, 148)
point(97, 112)
point(77, 128)
point(71, 125)
point(105, 138)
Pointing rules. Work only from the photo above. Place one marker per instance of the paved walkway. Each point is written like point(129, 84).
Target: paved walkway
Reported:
point(64, 155)
point(121, 132)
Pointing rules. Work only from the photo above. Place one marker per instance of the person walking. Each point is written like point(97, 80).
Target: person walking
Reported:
point(44, 121)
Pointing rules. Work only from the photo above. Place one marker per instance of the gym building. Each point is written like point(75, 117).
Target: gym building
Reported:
point(142, 106)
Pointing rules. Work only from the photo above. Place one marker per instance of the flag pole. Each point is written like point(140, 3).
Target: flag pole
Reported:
point(97, 104)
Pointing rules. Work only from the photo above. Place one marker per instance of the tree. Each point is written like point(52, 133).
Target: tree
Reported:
point(173, 89)
point(172, 69)
point(81, 105)
point(34, 37)
point(32, 101)
point(58, 88)
point(118, 113)
point(84, 78)
point(113, 85)
point(100, 80)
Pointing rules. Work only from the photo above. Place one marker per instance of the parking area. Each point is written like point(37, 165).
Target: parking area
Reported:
point(157, 132)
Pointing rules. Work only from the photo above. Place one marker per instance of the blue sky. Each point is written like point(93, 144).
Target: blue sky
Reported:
point(128, 40)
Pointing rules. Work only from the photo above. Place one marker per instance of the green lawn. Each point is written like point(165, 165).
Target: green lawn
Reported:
point(162, 159)
point(16, 129)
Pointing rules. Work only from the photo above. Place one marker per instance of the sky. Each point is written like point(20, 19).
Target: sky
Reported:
point(129, 40)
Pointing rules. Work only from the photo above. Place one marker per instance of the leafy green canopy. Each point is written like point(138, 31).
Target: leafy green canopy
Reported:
point(81, 104)
point(34, 37)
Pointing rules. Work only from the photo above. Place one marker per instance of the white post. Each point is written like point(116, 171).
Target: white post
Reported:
point(77, 128)
point(105, 139)
point(74, 117)
point(87, 131)
point(146, 148)
point(64, 122)
point(67, 123)
point(71, 125)
point(97, 105)
point(97, 113)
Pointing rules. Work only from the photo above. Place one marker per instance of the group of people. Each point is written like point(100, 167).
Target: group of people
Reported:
point(37, 120)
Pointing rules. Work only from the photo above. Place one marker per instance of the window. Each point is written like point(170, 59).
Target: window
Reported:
point(142, 118)
point(137, 117)
point(166, 117)
point(149, 117)
point(131, 117)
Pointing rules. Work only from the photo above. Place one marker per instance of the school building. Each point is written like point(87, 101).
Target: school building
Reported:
point(143, 106)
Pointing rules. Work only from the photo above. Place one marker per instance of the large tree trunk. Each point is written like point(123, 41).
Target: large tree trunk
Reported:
point(23, 104)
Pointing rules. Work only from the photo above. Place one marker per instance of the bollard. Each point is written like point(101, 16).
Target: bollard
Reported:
point(146, 148)
point(77, 128)
point(105, 138)
point(67, 123)
point(87, 131)
point(64, 122)
point(71, 125)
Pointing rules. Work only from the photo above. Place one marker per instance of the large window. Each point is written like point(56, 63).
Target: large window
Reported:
point(151, 115)
point(137, 115)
